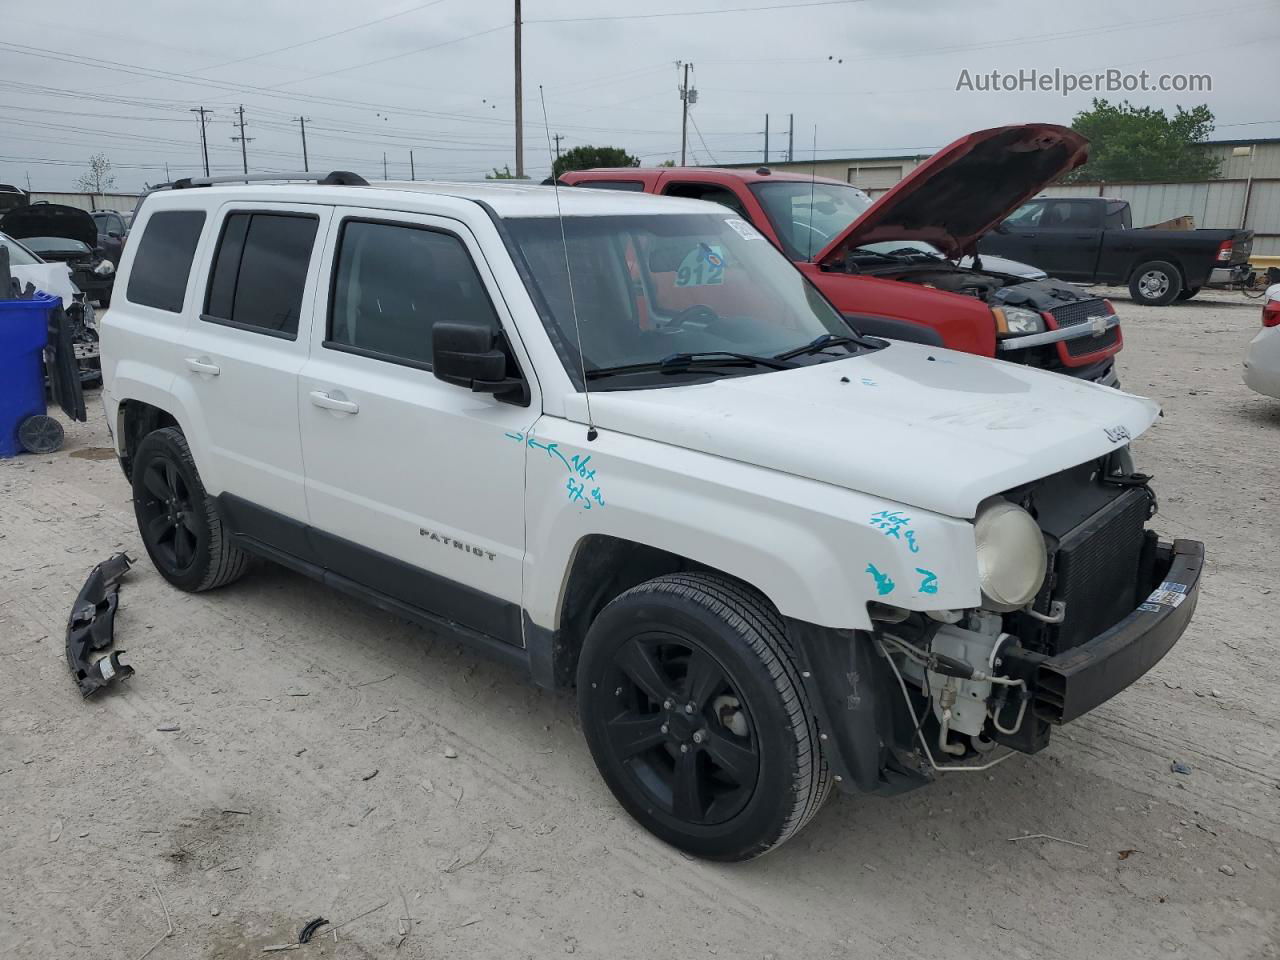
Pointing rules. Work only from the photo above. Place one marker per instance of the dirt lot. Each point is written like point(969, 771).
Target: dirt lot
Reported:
point(330, 759)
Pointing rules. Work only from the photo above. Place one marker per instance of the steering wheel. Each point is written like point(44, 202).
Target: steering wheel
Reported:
point(699, 311)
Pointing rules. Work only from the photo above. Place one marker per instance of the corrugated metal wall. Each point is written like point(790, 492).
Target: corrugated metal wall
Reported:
point(1214, 203)
point(123, 202)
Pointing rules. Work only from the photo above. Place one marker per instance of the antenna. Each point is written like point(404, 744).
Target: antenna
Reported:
point(568, 270)
point(813, 176)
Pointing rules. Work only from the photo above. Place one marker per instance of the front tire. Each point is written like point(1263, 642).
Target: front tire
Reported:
point(1155, 283)
point(693, 708)
point(1187, 294)
point(177, 518)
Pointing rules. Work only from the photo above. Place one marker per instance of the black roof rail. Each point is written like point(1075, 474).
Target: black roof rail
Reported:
point(335, 178)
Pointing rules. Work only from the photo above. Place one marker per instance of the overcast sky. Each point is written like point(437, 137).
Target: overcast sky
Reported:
point(80, 76)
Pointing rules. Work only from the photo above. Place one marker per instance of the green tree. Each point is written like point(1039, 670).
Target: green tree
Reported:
point(1143, 143)
point(503, 174)
point(586, 157)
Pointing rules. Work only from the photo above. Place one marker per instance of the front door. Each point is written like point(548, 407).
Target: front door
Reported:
point(415, 487)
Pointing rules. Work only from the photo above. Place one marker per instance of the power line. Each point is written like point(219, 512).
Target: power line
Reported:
point(327, 36)
point(700, 13)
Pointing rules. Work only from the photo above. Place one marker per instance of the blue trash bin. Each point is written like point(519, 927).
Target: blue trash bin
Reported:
point(24, 331)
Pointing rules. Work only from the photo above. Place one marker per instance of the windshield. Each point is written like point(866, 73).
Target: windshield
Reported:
point(56, 245)
point(650, 286)
point(808, 216)
point(19, 256)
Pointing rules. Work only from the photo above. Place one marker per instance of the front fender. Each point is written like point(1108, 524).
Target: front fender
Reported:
point(819, 552)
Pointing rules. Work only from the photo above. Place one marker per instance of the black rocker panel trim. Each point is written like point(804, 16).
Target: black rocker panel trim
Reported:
point(388, 583)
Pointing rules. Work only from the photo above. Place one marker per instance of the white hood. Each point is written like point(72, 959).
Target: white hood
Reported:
point(51, 278)
point(929, 428)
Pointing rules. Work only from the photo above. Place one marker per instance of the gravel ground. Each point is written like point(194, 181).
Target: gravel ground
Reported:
point(329, 760)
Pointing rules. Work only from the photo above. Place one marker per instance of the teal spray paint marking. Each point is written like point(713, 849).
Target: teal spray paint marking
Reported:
point(884, 583)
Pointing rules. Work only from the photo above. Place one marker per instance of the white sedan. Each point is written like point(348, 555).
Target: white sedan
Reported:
point(1262, 359)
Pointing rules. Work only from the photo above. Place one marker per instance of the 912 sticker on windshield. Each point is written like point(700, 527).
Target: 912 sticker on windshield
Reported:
point(743, 229)
point(581, 486)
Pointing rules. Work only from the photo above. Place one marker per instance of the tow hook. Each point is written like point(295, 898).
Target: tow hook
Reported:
point(92, 624)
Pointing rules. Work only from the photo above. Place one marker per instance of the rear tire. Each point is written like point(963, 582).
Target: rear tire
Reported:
point(178, 520)
point(1155, 283)
point(695, 714)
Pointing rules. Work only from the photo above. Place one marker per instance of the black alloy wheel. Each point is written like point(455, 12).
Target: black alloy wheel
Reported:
point(680, 728)
point(696, 716)
point(167, 517)
point(177, 518)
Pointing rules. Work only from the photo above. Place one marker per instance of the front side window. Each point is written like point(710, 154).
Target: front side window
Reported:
point(260, 270)
point(647, 286)
point(710, 192)
point(1027, 215)
point(808, 216)
point(162, 264)
point(392, 283)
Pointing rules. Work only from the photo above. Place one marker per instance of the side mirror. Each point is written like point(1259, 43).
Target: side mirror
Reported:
point(1001, 227)
point(113, 235)
point(469, 355)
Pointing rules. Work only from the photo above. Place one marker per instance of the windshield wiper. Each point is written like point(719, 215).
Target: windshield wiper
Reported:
point(831, 340)
point(680, 362)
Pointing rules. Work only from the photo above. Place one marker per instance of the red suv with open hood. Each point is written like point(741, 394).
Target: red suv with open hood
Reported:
point(906, 266)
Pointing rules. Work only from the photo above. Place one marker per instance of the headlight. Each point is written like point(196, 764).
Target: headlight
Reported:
point(1019, 321)
point(105, 269)
point(1011, 555)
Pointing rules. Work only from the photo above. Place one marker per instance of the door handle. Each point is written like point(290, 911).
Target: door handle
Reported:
point(327, 402)
point(202, 365)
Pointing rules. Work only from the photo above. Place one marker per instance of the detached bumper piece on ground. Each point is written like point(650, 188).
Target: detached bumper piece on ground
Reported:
point(92, 625)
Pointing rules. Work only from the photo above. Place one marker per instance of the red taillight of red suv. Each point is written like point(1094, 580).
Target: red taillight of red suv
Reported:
point(1224, 251)
point(1271, 313)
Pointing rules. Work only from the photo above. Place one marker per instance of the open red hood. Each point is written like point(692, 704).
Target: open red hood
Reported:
point(964, 190)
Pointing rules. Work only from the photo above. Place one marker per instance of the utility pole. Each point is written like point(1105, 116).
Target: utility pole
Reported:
point(687, 96)
point(557, 138)
point(244, 155)
point(519, 101)
point(166, 170)
point(384, 164)
point(204, 143)
point(413, 175)
point(791, 143)
point(302, 124)
point(766, 139)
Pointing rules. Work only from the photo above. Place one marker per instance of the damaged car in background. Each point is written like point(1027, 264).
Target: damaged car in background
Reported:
point(62, 234)
point(907, 266)
point(29, 269)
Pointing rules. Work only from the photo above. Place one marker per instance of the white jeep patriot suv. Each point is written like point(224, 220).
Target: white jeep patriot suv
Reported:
point(621, 441)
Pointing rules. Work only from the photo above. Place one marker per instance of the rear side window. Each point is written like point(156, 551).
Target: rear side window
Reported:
point(634, 185)
point(259, 270)
point(163, 261)
point(393, 283)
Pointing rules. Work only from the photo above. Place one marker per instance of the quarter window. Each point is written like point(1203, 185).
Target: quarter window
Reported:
point(393, 283)
point(259, 272)
point(163, 261)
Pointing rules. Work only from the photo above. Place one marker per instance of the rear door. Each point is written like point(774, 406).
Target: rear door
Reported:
point(415, 487)
point(238, 366)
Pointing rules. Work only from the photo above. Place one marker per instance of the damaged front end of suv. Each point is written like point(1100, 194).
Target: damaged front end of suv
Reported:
point(1078, 600)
